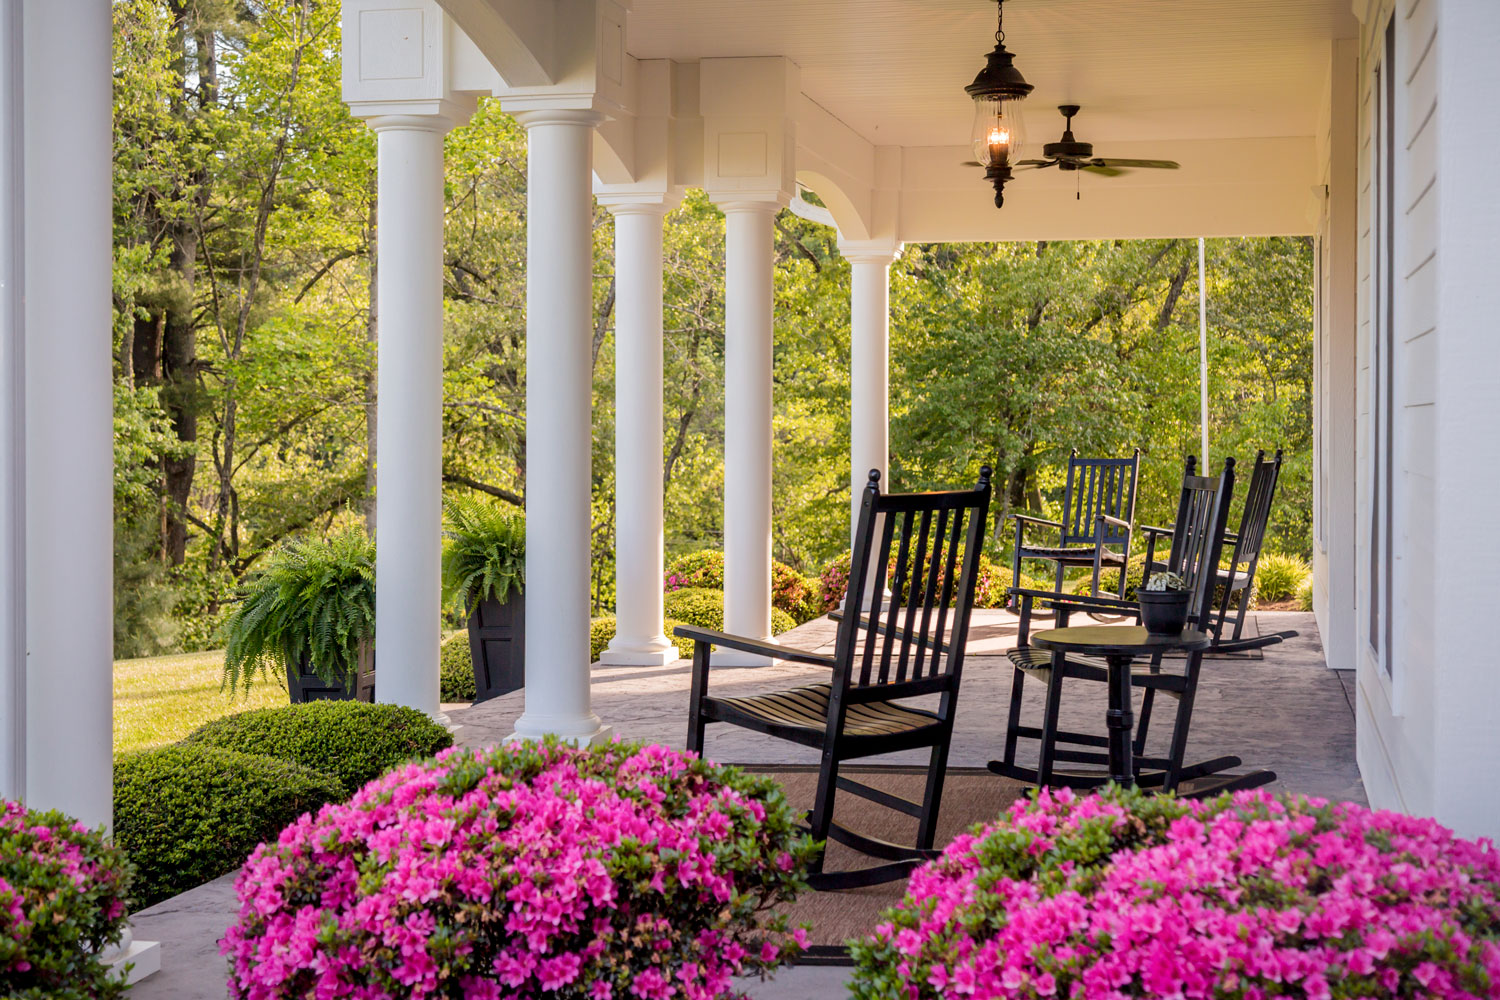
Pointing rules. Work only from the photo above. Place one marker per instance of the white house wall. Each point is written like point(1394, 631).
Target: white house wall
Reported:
point(1427, 729)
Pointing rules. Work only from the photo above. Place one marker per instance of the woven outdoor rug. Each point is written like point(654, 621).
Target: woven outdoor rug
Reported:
point(970, 795)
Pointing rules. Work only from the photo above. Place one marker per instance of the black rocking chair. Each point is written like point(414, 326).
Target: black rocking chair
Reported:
point(1197, 546)
point(913, 645)
point(1238, 577)
point(1098, 515)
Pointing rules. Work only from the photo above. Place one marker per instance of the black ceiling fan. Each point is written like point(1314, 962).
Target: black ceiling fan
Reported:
point(1070, 154)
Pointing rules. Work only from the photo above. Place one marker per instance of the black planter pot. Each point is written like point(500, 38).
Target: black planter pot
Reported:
point(1163, 612)
point(303, 685)
point(497, 646)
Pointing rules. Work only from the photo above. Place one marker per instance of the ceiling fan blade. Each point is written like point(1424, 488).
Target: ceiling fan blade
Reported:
point(971, 163)
point(1036, 163)
point(1152, 164)
point(1101, 170)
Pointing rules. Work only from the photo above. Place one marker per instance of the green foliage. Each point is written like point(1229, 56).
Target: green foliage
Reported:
point(602, 630)
point(354, 742)
point(485, 554)
point(64, 895)
point(187, 814)
point(1279, 577)
point(705, 608)
point(315, 599)
point(456, 669)
point(1305, 595)
point(704, 568)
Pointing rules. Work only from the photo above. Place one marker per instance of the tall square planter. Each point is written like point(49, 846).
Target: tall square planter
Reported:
point(497, 645)
point(304, 685)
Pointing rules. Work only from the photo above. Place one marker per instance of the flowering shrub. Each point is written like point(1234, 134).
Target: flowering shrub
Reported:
point(696, 569)
point(63, 894)
point(526, 871)
point(1124, 895)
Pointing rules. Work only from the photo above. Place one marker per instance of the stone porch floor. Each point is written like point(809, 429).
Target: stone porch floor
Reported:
point(1285, 711)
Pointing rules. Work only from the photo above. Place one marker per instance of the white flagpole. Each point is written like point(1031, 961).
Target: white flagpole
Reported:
point(1202, 357)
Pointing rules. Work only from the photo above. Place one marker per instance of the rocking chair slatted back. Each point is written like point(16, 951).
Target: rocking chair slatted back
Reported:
point(1247, 546)
point(1099, 486)
point(924, 548)
point(1198, 541)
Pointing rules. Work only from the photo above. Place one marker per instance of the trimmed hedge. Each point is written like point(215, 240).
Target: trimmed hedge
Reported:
point(456, 669)
point(705, 608)
point(354, 742)
point(185, 815)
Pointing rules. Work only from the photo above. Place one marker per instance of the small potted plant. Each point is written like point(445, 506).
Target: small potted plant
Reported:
point(311, 611)
point(484, 566)
point(1164, 603)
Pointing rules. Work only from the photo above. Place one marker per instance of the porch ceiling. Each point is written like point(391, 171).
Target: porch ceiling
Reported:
point(894, 70)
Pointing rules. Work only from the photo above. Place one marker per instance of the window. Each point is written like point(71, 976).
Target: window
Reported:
point(1382, 346)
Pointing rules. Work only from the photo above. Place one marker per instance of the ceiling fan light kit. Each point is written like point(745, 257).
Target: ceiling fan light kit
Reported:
point(997, 132)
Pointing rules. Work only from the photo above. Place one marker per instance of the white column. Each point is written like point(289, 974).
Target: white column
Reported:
point(64, 226)
point(559, 435)
point(409, 472)
point(638, 638)
point(869, 368)
point(748, 295)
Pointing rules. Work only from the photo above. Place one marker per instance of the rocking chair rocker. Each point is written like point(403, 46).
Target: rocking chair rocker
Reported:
point(913, 645)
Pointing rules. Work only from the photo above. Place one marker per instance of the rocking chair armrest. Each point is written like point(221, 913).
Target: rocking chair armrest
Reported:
point(1117, 522)
point(1155, 530)
point(1079, 602)
point(1028, 519)
point(748, 645)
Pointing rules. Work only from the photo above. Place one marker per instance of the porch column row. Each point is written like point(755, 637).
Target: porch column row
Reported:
point(638, 638)
point(409, 388)
point(748, 323)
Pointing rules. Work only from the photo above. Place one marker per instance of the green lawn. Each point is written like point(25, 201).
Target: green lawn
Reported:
point(160, 699)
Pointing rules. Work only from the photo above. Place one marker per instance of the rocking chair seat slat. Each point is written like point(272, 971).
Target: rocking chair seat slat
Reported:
point(806, 707)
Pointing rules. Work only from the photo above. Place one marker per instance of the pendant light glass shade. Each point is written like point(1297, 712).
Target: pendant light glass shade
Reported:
point(998, 132)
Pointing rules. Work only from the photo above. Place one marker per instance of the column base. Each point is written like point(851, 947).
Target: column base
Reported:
point(142, 957)
point(588, 732)
point(722, 657)
point(657, 651)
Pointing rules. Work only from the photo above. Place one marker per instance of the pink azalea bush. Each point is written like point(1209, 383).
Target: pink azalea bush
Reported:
point(532, 870)
point(1125, 895)
point(63, 893)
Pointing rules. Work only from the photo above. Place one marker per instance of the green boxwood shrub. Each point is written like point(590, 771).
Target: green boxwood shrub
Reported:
point(602, 630)
point(456, 669)
point(705, 608)
point(64, 893)
point(185, 815)
point(354, 742)
point(1279, 577)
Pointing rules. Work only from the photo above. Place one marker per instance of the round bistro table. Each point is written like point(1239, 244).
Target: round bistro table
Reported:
point(1118, 645)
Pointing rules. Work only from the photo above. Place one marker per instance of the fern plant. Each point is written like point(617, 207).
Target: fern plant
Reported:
point(485, 555)
point(315, 598)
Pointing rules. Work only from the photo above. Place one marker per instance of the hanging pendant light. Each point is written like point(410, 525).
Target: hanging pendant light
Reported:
point(997, 133)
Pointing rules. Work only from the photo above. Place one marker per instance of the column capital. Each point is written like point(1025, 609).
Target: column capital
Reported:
point(417, 116)
point(531, 117)
point(739, 201)
point(870, 251)
point(639, 203)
